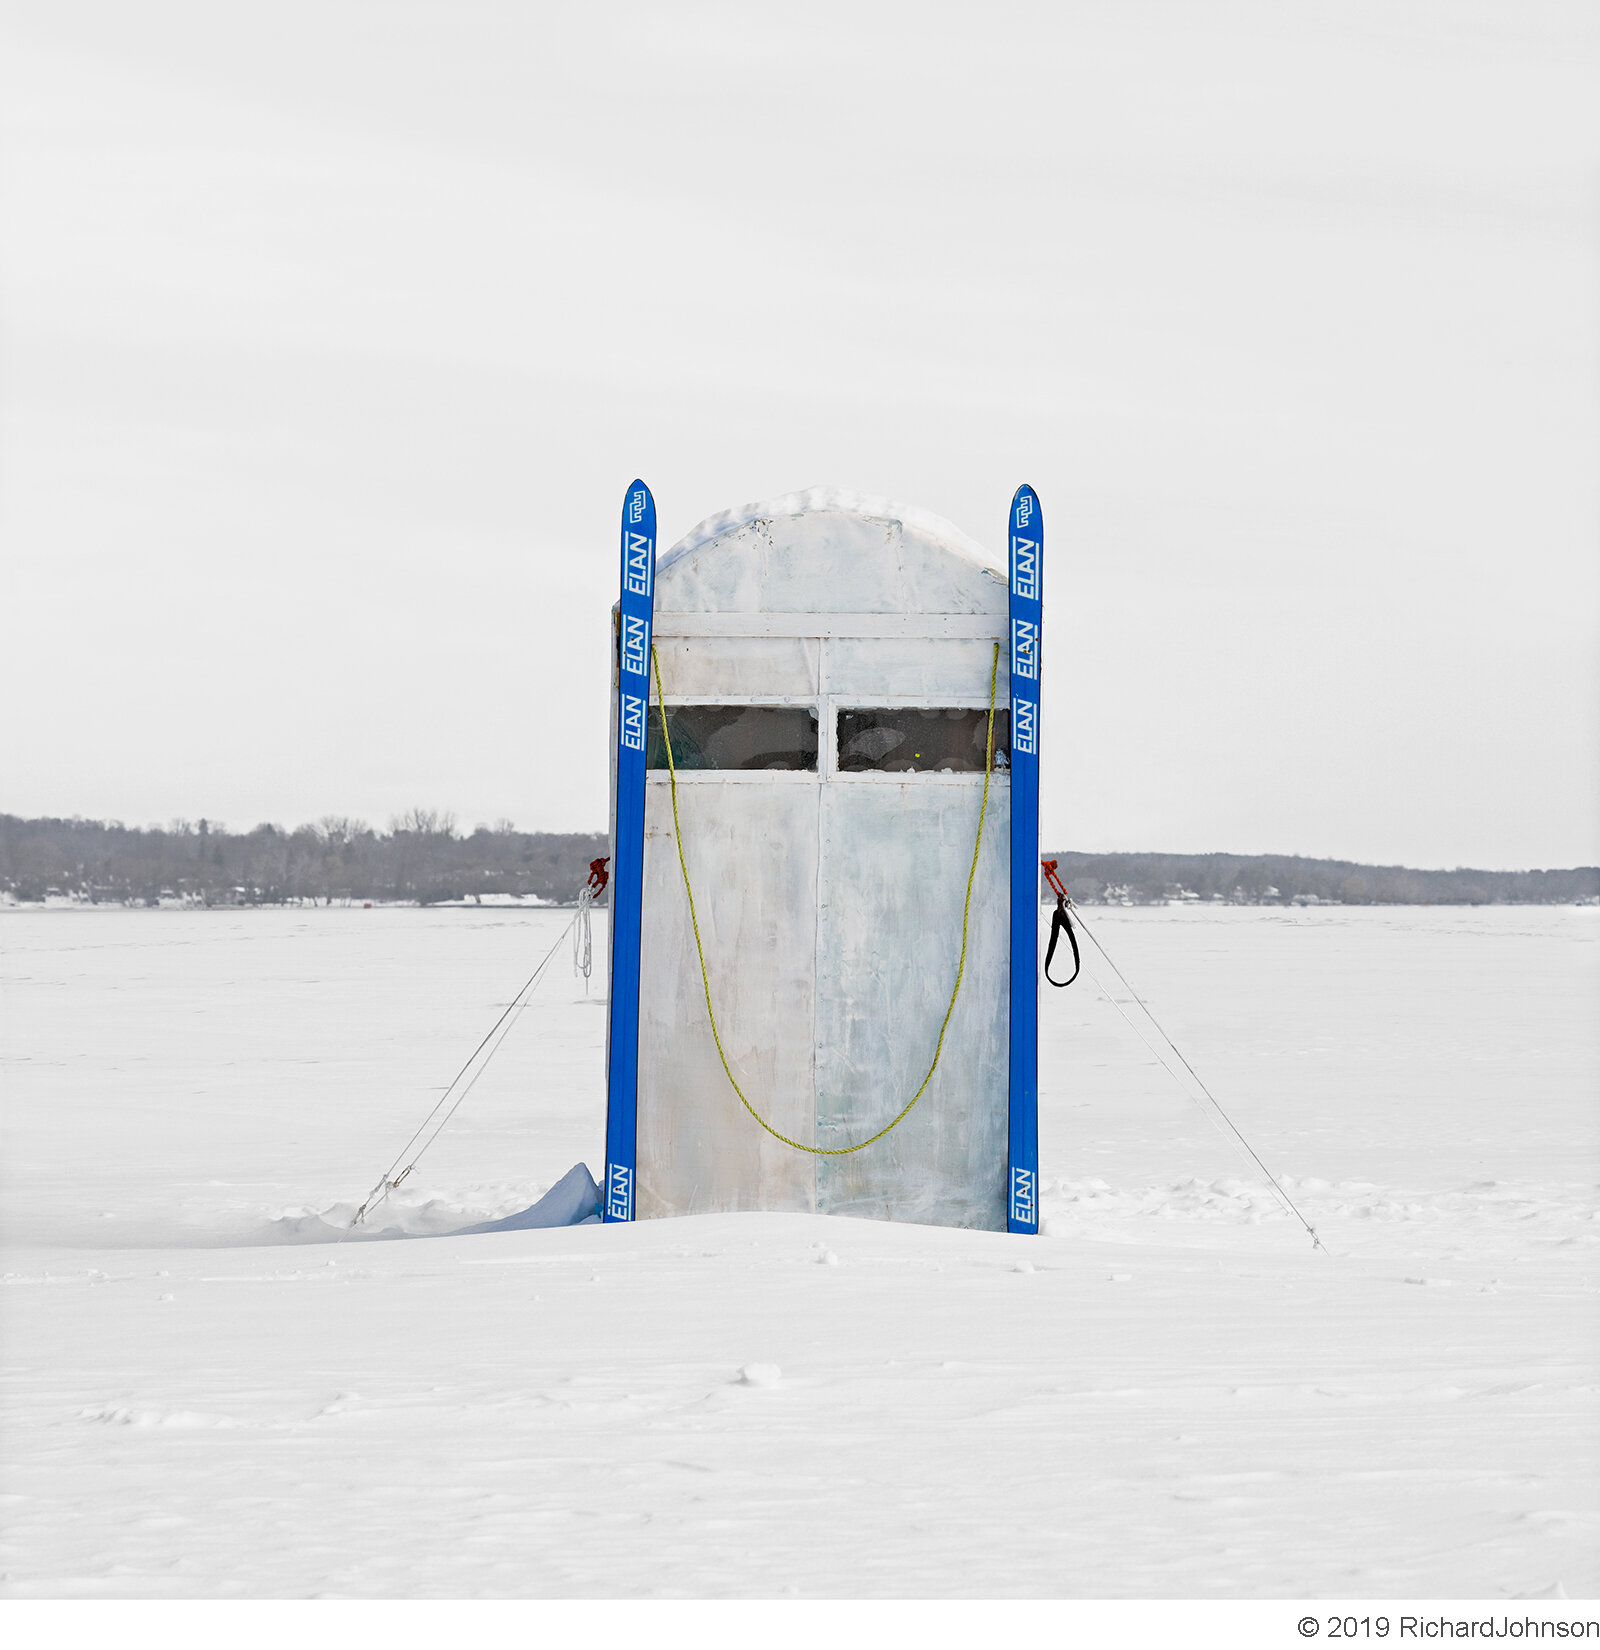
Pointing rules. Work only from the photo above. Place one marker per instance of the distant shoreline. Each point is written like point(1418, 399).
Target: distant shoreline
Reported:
point(1290, 879)
point(421, 859)
point(9, 907)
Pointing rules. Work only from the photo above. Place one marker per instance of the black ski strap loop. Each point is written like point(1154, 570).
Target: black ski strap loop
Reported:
point(1058, 921)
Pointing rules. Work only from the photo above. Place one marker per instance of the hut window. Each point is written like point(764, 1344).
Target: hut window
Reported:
point(921, 741)
point(742, 737)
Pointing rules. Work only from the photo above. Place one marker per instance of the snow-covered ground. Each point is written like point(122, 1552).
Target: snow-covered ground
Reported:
point(1169, 1394)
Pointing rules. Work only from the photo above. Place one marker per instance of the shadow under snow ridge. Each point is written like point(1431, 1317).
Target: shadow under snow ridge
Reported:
point(1515, 1214)
point(1551, 1213)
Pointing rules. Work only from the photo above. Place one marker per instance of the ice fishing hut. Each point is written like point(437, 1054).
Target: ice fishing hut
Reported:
point(828, 665)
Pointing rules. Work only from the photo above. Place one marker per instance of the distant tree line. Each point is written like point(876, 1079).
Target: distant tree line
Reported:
point(422, 857)
point(1284, 879)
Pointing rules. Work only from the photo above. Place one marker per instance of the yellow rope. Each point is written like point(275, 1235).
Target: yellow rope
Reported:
point(961, 966)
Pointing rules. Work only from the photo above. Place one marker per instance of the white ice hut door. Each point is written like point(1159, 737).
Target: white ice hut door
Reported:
point(826, 668)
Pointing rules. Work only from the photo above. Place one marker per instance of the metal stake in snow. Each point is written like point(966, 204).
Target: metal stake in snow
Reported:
point(1226, 1126)
point(389, 1179)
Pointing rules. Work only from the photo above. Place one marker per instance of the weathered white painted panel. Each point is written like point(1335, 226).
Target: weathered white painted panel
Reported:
point(892, 878)
point(985, 626)
point(754, 666)
point(827, 562)
point(752, 852)
point(954, 671)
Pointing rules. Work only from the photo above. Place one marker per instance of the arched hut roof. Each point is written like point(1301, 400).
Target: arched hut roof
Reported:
point(829, 549)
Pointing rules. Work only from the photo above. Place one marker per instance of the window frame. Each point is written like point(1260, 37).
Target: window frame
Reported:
point(882, 701)
point(743, 776)
point(827, 707)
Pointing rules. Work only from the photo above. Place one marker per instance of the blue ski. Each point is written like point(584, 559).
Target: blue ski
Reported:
point(1027, 626)
point(627, 846)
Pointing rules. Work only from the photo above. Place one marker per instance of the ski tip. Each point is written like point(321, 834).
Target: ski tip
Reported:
point(1025, 511)
point(1026, 548)
point(637, 500)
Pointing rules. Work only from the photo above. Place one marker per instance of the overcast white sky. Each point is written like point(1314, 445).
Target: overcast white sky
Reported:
point(334, 331)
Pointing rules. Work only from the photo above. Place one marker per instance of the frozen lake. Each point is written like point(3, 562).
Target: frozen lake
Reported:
point(1169, 1394)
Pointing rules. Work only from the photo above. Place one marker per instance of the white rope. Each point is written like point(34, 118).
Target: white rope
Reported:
point(1225, 1127)
point(582, 943)
point(387, 1182)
